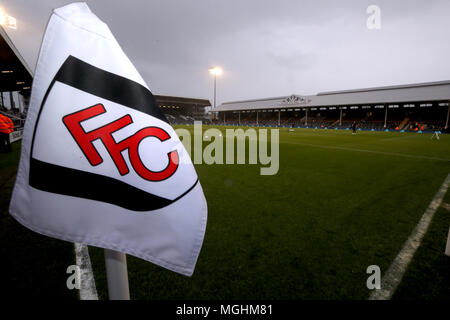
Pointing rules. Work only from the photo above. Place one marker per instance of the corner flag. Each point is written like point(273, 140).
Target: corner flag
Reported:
point(100, 165)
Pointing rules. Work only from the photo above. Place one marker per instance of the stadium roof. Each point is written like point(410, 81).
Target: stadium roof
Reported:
point(411, 93)
point(15, 75)
point(182, 101)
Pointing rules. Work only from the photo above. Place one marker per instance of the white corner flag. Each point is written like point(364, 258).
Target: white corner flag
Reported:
point(100, 165)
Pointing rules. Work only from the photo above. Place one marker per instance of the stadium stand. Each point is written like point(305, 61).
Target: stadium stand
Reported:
point(413, 107)
point(15, 84)
point(181, 110)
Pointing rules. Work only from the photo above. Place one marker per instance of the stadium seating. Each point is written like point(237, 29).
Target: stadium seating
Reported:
point(398, 119)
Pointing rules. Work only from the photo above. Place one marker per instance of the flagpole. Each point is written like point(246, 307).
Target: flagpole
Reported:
point(117, 275)
point(447, 247)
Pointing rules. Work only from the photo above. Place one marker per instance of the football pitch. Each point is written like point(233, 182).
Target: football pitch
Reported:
point(338, 204)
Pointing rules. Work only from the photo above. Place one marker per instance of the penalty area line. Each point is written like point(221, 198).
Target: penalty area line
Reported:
point(397, 269)
point(88, 291)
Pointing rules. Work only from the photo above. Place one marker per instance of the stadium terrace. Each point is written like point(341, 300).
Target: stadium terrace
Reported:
point(414, 107)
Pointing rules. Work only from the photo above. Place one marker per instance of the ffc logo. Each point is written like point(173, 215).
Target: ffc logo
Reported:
point(85, 142)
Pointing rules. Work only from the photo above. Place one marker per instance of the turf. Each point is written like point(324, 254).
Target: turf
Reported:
point(339, 203)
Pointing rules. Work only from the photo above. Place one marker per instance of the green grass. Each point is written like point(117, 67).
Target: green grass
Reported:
point(34, 266)
point(338, 204)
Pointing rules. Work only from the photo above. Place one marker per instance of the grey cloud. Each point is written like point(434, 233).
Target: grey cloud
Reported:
point(266, 47)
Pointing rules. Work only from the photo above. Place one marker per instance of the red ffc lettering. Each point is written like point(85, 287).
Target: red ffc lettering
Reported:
point(84, 140)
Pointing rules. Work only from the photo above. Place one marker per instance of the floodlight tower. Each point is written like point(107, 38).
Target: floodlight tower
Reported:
point(215, 71)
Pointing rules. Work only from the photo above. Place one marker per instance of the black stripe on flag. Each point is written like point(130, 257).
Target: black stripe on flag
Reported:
point(85, 77)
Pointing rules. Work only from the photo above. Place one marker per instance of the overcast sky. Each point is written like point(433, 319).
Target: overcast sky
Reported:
point(266, 48)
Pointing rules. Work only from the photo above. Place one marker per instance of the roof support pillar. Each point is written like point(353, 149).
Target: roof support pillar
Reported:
point(306, 118)
point(340, 117)
point(20, 103)
point(257, 120)
point(385, 115)
point(11, 101)
point(224, 118)
point(279, 118)
point(448, 115)
point(239, 117)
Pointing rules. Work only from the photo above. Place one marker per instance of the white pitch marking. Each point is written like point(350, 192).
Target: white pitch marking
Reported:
point(88, 290)
point(398, 267)
point(369, 151)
